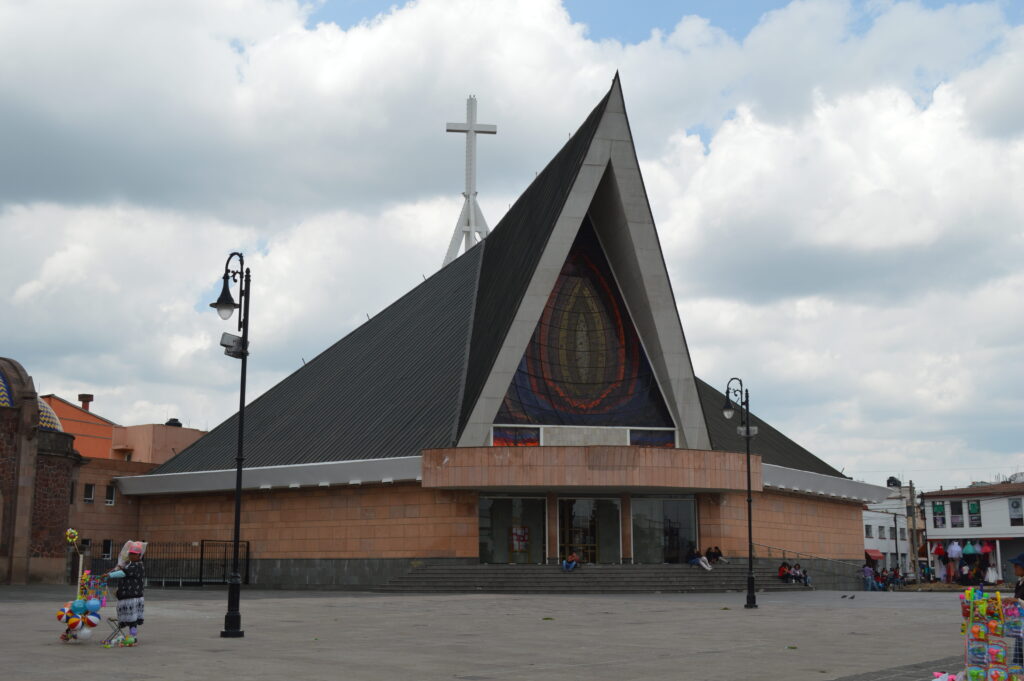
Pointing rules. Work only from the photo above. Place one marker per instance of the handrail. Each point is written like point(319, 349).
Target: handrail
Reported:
point(853, 565)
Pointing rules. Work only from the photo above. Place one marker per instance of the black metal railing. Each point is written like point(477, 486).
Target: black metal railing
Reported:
point(196, 563)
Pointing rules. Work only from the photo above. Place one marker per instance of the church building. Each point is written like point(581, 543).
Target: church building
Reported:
point(533, 397)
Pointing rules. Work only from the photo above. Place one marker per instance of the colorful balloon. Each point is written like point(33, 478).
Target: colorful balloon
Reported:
point(63, 614)
point(78, 607)
point(92, 619)
point(92, 605)
point(74, 622)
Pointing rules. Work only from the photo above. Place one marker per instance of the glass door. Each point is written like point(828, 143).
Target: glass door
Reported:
point(512, 530)
point(590, 527)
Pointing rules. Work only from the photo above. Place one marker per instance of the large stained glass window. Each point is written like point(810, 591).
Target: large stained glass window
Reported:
point(585, 365)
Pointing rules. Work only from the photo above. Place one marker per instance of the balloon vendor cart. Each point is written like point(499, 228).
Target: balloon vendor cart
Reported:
point(81, 615)
point(992, 630)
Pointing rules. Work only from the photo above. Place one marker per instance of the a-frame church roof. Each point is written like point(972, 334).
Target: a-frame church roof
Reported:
point(412, 377)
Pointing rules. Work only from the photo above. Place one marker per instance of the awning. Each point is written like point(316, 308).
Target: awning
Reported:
point(874, 555)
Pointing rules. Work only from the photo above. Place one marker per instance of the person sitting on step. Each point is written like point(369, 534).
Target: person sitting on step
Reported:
point(719, 557)
point(784, 572)
point(695, 558)
point(570, 562)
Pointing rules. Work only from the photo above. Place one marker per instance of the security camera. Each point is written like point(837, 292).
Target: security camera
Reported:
point(232, 345)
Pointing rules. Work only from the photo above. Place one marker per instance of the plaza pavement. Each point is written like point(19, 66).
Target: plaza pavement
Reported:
point(338, 635)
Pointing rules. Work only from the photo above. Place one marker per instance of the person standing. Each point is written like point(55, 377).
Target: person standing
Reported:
point(131, 600)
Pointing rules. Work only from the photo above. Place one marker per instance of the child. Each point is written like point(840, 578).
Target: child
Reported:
point(570, 562)
point(130, 600)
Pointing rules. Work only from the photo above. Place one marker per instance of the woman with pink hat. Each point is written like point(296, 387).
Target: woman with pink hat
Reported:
point(130, 600)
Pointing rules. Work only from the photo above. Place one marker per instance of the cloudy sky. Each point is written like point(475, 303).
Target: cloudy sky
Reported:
point(839, 187)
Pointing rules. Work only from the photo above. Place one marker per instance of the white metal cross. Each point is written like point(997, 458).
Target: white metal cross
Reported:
point(471, 227)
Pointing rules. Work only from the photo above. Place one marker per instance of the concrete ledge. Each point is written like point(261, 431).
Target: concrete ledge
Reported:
point(624, 469)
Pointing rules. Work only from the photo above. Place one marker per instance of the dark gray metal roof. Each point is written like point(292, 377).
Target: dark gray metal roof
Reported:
point(772, 446)
point(390, 388)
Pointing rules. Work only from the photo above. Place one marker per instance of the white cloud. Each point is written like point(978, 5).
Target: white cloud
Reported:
point(845, 231)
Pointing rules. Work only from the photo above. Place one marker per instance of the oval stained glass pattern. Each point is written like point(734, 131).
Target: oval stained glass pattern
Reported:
point(585, 364)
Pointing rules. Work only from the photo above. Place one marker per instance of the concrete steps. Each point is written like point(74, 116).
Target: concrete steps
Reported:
point(447, 578)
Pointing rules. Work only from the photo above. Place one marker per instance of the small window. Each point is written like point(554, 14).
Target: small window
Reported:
point(974, 513)
point(653, 438)
point(89, 494)
point(72, 501)
point(903, 534)
point(516, 437)
point(110, 495)
point(1016, 512)
point(881, 531)
point(867, 532)
point(939, 514)
point(108, 547)
point(956, 514)
point(85, 544)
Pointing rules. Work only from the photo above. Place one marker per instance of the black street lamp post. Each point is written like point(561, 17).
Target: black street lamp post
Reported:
point(743, 398)
point(237, 347)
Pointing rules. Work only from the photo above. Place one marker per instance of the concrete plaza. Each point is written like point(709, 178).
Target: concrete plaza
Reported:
point(335, 635)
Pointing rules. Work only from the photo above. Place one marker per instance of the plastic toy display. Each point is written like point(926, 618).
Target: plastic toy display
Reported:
point(81, 615)
point(990, 629)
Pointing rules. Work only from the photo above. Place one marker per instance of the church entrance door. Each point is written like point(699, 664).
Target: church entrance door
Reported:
point(512, 530)
point(590, 527)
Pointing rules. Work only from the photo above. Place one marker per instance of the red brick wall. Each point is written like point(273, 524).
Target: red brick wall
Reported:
point(373, 521)
point(821, 527)
point(97, 521)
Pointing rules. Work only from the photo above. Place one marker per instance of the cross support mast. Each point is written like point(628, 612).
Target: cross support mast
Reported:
point(471, 227)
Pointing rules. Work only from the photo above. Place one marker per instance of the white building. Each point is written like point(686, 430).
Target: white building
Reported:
point(885, 532)
point(982, 512)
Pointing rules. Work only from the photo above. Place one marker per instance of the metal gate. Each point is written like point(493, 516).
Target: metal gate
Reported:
point(195, 563)
point(215, 558)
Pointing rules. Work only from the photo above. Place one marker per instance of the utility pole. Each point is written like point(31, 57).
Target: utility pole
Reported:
point(912, 529)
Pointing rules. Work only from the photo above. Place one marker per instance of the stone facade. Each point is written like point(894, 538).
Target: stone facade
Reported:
point(618, 468)
point(364, 522)
point(820, 527)
point(38, 464)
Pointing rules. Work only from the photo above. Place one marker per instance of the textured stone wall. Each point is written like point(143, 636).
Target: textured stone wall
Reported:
point(8, 477)
point(50, 506)
point(816, 526)
point(372, 521)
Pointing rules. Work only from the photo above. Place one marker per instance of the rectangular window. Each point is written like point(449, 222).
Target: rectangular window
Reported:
point(89, 494)
point(504, 436)
point(108, 547)
point(956, 514)
point(939, 514)
point(903, 534)
point(867, 531)
point(652, 438)
point(881, 531)
point(85, 544)
point(110, 495)
point(1016, 512)
point(974, 513)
